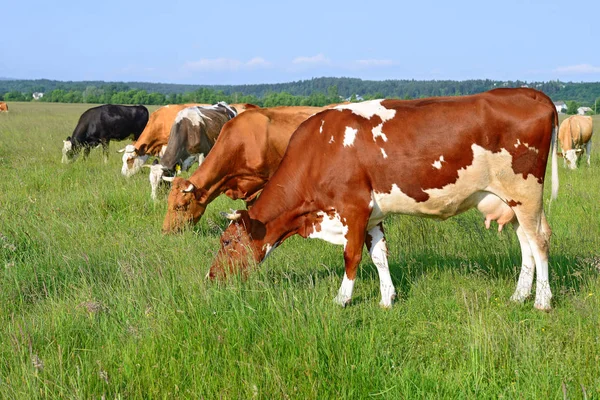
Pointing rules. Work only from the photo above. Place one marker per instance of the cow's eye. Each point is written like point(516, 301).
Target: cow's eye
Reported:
point(226, 242)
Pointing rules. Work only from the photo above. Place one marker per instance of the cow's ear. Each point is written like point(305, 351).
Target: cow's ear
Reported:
point(68, 138)
point(559, 154)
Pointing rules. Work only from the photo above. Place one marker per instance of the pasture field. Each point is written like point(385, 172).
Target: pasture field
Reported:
point(96, 303)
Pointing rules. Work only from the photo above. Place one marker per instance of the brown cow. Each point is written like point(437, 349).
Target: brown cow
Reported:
point(575, 132)
point(241, 107)
point(245, 156)
point(3, 106)
point(153, 140)
point(346, 168)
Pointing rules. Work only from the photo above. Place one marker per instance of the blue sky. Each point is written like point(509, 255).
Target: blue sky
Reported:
point(247, 42)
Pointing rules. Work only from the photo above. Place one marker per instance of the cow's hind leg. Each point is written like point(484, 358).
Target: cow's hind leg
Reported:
point(535, 228)
point(527, 266)
point(105, 152)
point(86, 152)
point(588, 151)
point(375, 241)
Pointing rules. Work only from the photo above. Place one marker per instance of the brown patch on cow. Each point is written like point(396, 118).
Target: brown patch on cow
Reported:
point(525, 161)
point(513, 203)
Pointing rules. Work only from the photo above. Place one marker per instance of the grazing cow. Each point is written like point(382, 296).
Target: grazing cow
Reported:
point(245, 156)
point(575, 132)
point(346, 168)
point(153, 140)
point(99, 125)
point(3, 106)
point(193, 134)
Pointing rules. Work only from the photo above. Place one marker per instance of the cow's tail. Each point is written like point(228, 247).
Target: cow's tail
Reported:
point(554, 145)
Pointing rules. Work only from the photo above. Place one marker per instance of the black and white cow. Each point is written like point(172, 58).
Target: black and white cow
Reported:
point(99, 125)
point(193, 134)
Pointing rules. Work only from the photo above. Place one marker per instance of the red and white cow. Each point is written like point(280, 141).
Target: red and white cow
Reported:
point(246, 154)
point(346, 168)
point(575, 132)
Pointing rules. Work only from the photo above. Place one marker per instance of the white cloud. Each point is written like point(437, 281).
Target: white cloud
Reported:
point(578, 69)
point(374, 63)
point(318, 59)
point(258, 62)
point(229, 64)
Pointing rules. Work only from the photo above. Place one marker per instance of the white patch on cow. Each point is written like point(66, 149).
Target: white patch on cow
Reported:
point(67, 152)
point(331, 140)
point(331, 229)
point(130, 157)
point(526, 145)
point(377, 132)
point(484, 174)
point(321, 128)
point(383, 153)
point(369, 108)
point(349, 136)
point(438, 163)
point(345, 293)
point(162, 151)
point(192, 114)
point(268, 248)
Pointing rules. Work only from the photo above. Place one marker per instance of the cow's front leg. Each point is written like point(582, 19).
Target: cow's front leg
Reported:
point(355, 239)
point(377, 247)
point(86, 152)
point(105, 152)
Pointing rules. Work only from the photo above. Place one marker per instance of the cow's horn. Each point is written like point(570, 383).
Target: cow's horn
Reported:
point(168, 178)
point(233, 216)
point(188, 189)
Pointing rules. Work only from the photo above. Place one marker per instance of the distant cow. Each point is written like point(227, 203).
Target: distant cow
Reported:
point(99, 125)
point(193, 134)
point(153, 140)
point(346, 168)
point(575, 132)
point(3, 106)
point(245, 156)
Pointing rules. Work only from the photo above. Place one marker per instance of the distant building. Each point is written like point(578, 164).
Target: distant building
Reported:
point(355, 97)
point(584, 110)
point(561, 107)
point(37, 95)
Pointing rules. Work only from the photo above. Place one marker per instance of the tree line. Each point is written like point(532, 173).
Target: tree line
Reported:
point(314, 92)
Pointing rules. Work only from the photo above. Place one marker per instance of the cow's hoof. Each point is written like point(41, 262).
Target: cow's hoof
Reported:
point(543, 307)
point(341, 300)
point(519, 297)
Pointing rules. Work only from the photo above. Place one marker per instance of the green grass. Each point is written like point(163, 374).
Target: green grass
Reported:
point(95, 302)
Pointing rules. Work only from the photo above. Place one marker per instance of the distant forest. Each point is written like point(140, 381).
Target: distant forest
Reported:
point(316, 91)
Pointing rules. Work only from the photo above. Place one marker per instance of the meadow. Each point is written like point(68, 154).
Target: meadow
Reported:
point(96, 303)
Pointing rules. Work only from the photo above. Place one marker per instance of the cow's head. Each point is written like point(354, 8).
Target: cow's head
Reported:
point(572, 157)
point(185, 206)
point(132, 162)
point(241, 246)
point(68, 152)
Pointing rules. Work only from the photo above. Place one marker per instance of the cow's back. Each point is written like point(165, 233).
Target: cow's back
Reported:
point(156, 133)
point(419, 146)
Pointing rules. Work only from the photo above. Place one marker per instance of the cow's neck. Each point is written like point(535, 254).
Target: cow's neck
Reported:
point(284, 214)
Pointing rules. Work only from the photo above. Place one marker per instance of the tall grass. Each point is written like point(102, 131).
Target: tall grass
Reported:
point(95, 302)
